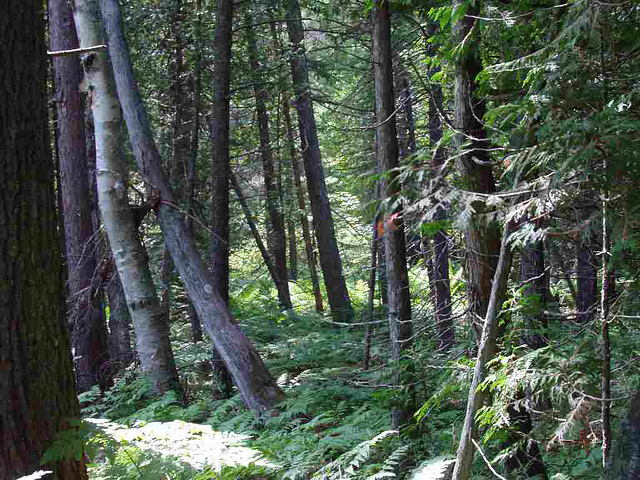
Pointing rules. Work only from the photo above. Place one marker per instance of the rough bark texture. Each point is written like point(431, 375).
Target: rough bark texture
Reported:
point(37, 386)
point(277, 237)
point(482, 239)
point(330, 261)
point(587, 273)
point(394, 238)
point(259, 390)
point(150, 322)
point(86, 317)
point(220, 167)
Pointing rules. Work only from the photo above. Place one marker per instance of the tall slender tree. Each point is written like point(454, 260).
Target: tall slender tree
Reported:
point(37, 387)
point(276, 220)
point(394, 237)
point(89, 333)
point(330, 260)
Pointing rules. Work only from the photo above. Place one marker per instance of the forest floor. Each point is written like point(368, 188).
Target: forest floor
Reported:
point(191, 443)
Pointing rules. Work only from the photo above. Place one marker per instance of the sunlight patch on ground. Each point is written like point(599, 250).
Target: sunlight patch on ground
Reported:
point(195, 444)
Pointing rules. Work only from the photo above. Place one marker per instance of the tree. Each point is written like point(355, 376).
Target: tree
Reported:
point(221, 170)
point(259, 390)
point(330, 261)
point(37, 387)
point(89, 333)
point(149, 319)
point(276, 222)
point(394, 238)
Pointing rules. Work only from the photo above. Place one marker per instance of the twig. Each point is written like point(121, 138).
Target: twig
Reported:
point(61, 53)
point(487, 461)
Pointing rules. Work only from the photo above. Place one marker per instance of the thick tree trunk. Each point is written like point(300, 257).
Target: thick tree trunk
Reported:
point(37, 386)
point(276, 222)
point(330, 261)
point(259, 390)
point(89, 333)
point(486, 351)
point(394, 237)
point(150, 322)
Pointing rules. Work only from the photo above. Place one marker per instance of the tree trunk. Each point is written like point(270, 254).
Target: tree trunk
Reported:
point(302, 208)
point(486, 351)
point(122, 355)
point(86, 317)
point(259, 390)
point(533, 277)
point(482, 238)
point(150, 322)
point(587, 273)
point(441, 283)
point(220, 167)
point(37, 387)
point(276, 222)
point(373, 265)
point(330, 261)
point(394, 238)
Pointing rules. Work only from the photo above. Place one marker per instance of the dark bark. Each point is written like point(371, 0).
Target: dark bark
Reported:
point(533, 277)
point(587, 280)
point(86, 316)
point(373, 265)
point(440, 267)
point(330, 261)
point(394, 236)
point(302, 208)
point(527, 456)
point(220, 167)
point(277, 237)
point(37, 385)
point(258, 388)
point(120, 349)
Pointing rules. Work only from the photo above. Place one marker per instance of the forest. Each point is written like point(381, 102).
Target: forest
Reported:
point(315, 240)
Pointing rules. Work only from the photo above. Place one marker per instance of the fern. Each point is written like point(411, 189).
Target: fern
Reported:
point(353, 460)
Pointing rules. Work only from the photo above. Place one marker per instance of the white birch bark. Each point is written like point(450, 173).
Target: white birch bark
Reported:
point(151, 327)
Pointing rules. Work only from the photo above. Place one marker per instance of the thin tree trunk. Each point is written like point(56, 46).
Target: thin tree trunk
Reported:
point(220, 166)
point(276, 222)
point(120, 350)
point(373, 265)
point(255, 233)
point(150, 323)
point(397, 272)
point(605, 346)
point(330, 261)
point(486, 351)
point(257, 387)
point(302, 208)
point(440, 257)
point(37, 388)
